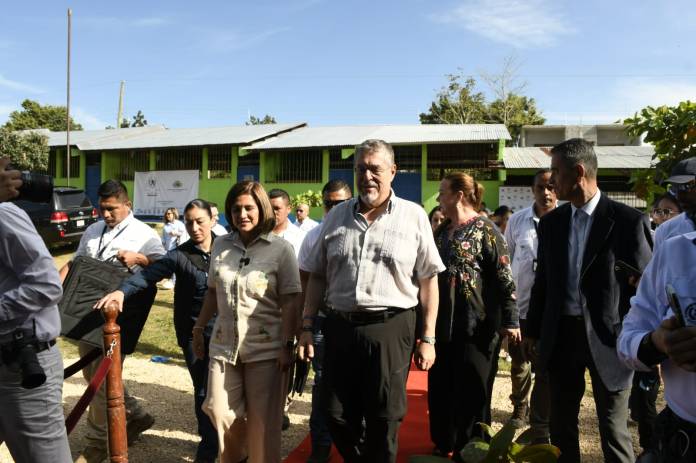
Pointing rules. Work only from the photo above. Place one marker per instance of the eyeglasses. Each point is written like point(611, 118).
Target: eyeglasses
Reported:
point(682, 187)
point(329, 203)
point(663, 212)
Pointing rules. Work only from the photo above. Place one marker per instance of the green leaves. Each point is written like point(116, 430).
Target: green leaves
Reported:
point(36, 116)
point(27, 151)
point(672, 130)
point(309, 197)
point(503, 449)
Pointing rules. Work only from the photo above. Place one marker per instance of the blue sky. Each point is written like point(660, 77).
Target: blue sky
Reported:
point(329, 62)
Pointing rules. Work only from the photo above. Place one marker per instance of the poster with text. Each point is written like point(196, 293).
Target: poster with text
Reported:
point(157, 191)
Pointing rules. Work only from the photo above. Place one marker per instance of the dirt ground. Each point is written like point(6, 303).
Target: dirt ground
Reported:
point(166, 392)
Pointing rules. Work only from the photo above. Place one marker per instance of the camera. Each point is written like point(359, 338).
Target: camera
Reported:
point(37, 188)
point(22, 350)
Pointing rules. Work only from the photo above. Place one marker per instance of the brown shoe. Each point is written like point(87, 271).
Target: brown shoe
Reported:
point(520, 416)
point(92, 455)
point(136, 426)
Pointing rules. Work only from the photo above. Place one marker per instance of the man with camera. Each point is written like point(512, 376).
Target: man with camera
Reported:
point(31, 366)
point(126, 241)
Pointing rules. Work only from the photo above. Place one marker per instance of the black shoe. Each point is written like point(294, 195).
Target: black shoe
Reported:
point(286, 423)
point(520, 416)
point(320, 454)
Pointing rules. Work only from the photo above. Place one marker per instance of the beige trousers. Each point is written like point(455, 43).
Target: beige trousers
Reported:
point(96, 416)
point(245, 403)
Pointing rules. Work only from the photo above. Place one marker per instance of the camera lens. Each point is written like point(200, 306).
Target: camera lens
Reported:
point(37, 188)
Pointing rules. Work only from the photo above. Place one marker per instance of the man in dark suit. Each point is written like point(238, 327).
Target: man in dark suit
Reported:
point(579, 299)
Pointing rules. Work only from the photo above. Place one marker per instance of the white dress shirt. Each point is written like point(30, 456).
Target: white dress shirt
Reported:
point(307, 224)
point(673, 227)
point(580, 225)
point(103, 243)
point(674, 263)
point(522, 242)
point(294, 235)
point(308, 244)
point(219, 230)
point(30, 287)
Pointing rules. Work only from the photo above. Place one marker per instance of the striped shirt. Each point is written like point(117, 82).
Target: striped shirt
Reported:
point(377, 265)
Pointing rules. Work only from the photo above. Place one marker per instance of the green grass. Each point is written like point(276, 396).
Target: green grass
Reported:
point(158, 337)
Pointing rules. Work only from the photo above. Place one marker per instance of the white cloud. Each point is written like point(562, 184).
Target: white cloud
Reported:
point(88, 120)
point(18, 86)
point(519, 23)
point(228, 40)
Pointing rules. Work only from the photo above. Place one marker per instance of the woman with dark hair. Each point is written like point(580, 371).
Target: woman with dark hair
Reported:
point(436, 217)
point(665, 207)
point(476, 309)
point(189, 262)
point(253, 286)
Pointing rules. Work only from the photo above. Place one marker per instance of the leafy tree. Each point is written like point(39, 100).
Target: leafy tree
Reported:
point(309, 197)
point(36, 116)
point(253, 120)
point(139, 120)
point(27, 151)
point(457, 103)
point(672, 130)
point(515, 111)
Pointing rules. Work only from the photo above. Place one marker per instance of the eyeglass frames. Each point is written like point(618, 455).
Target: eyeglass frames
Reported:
point(663, 212)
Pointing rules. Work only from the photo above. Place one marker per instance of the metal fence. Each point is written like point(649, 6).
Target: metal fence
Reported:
point(130, 162)
point(336, 160)
point(186, 158)
point(408, 158)
point(478, 158)
point(74, 167)
point(220, 161)
point(294, 166)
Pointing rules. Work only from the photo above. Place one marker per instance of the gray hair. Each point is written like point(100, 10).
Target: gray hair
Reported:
point(373, 146)
point(577, 151)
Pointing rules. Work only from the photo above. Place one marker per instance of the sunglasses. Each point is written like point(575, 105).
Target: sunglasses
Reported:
point(663, 212)
point(329, 203)
point(682, 187)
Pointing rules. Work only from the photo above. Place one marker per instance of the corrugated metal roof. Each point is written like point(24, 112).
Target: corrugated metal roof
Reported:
point(311, 137)
point(608, 157)
point(158, 136)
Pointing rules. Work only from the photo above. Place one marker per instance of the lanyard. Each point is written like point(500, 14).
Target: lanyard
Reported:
point(101, 238)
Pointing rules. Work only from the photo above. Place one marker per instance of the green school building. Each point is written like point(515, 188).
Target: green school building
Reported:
point(298, 158)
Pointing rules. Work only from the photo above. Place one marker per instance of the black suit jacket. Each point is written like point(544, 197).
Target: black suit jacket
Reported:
point(618, 232)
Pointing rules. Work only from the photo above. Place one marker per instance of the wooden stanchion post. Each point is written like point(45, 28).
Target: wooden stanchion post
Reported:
point(115, 406)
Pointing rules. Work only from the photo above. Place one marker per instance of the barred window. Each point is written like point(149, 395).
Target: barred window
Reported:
point(74, 167)
point(477, 159)
point(294, 166)
point(336, 160)
point(186, 158)
point(51, 167)
point(250, 160)
point(408, 158)
point(219, 161)
point(130, 162)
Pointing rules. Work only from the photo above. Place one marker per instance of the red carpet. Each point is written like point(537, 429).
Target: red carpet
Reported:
point(414, 436)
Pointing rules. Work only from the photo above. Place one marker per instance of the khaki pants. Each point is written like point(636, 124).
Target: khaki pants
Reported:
point(96, 433)
point(245, 403)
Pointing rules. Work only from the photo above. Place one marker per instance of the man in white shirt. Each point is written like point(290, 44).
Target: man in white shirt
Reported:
point(304, 221)
point(682, 184)
point(217, 229)
point(280, 200)
point(651, 335)
point(120, 237)
point(335, 192)
point(522, 241)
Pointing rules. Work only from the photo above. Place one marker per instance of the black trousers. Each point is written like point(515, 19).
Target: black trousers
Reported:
point(364, 385)
point(646, 385)
point(567, 386)
point(674, 440)
point(460, 385)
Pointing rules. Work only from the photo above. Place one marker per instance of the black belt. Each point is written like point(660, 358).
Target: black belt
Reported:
point(7, 349)
point(366, 317)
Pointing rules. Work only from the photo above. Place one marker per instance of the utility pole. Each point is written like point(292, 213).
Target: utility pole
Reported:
point(120, 104)
point(67, 132)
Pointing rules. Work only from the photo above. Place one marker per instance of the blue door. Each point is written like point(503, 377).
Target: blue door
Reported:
point(407, 185)
point(92, 182)
point(342, 174)
point(248, 173)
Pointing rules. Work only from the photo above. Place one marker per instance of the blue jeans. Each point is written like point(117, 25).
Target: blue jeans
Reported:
point(198, 369)
point(318, 429)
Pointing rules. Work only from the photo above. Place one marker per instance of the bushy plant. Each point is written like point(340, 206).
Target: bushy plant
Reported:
point(309, 197)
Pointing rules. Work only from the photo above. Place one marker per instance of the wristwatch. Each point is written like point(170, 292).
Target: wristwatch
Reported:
point(428, 340)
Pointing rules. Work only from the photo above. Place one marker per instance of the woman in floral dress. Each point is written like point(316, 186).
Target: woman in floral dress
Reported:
point(477, 309)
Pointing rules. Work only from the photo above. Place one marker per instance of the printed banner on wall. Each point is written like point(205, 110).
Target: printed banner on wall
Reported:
point(157, 191)
point(515, 197)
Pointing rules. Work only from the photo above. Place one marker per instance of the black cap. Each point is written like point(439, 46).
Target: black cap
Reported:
point(683, 172)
